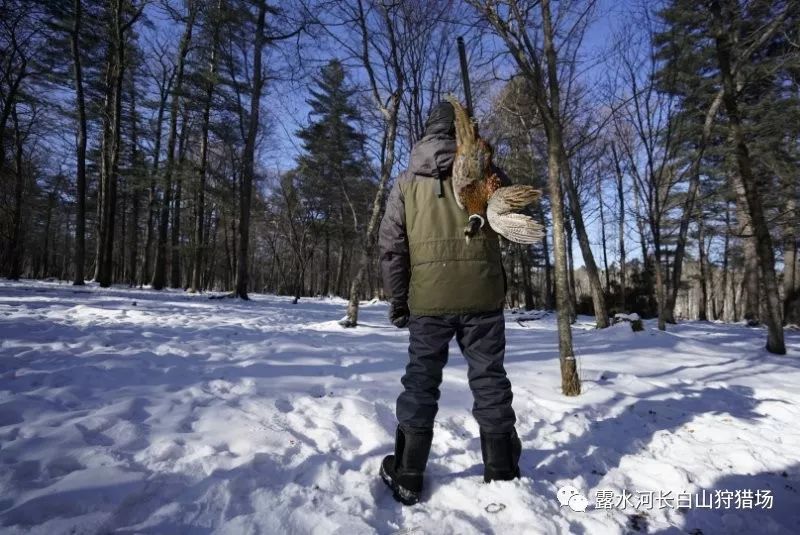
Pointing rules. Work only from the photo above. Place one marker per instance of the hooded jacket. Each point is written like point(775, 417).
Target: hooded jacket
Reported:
point(424, 258)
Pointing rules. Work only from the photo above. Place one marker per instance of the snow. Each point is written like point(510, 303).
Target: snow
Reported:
point(626, 317)
point(143, 412)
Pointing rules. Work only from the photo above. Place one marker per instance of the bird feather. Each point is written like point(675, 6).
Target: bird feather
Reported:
point(501, 213)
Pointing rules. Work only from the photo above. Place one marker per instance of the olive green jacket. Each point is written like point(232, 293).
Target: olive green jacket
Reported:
point(424, 257)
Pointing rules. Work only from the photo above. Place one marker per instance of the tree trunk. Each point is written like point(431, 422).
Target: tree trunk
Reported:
point(337, 285)
point(724, 307)
point(549, 298)
point(326, 275)
point(80, 147)
point(248, 158)
point(621, 231)
point(688, 207)
point(175, 239)
point(660, 283)
point(598, 297)
point(103, 189)
point(166, 84)
point(374, 221)
point(573, 298)
point(570, 383)
point(751, 296)
point(766, 254)
point(112, 138)
point(106, 268)
point(791, 278)
point(603, 234)
point(15, 249)
point(526, 276)
point(160, 269)
point(702, 313)
point(199, 214)
point(133, 248)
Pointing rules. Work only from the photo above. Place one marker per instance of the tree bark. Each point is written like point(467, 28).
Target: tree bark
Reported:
point(16, 245)
point(177, 200)
point(603, 234)
point(573, 298)
point(80, 147)
point(751, 296)
point(791, 278)
point(526, 276)
point(726, 314)
point(621, 231)
point(570, 383)
point(112, 138)
point(248, 158)
point(702, 313)
point(133, 248)
point(549, 298)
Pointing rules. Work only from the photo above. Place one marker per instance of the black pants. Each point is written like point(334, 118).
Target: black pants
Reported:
point(482, 340)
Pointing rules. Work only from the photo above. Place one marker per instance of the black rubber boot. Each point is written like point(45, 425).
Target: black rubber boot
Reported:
point(501, 453)
point(403, 471)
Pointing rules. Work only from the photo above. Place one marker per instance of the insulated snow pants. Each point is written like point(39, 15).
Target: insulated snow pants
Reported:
point(481, 338)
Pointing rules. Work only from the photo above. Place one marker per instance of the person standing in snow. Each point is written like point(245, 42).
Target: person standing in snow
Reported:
point(440, 286)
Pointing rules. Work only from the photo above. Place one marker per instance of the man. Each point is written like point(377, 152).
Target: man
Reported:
point(442, 286)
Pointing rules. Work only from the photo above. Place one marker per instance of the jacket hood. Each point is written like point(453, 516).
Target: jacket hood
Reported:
point(433, 155)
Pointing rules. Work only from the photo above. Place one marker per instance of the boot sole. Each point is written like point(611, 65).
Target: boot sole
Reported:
point(399, 493)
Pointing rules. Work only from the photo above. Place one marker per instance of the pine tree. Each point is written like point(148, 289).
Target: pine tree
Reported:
point(736, 65)
point(332, 165)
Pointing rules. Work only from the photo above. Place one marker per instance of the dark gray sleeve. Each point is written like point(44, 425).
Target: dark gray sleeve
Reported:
point(393, 246)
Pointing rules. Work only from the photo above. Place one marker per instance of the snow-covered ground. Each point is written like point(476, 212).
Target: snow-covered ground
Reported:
point(142, 412)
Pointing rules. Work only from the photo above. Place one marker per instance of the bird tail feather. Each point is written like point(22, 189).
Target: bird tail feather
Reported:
point(465, 126)
point(519, 228)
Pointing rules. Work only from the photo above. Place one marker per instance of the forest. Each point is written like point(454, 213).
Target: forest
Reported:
point(237, 146)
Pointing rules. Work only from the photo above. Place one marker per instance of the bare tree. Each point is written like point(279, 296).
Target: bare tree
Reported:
point(163, 78)
point(540, 69)
point(80, 148)
point(160, 269)
point(124, 14)
point(209, 81)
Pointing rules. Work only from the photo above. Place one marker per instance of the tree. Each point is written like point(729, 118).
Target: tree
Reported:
point(80, 146)
point(722, 30)
point(541, 71)
point(21, 33)
point(123, 15)
point(215, 19)
point(160, 270)
point(332, 165)
point(381, 31)
point(647, 133)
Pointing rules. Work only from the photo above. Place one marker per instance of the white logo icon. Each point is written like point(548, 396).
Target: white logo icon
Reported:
point(569, 495)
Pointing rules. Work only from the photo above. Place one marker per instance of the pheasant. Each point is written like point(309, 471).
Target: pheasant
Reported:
point(480, 192)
